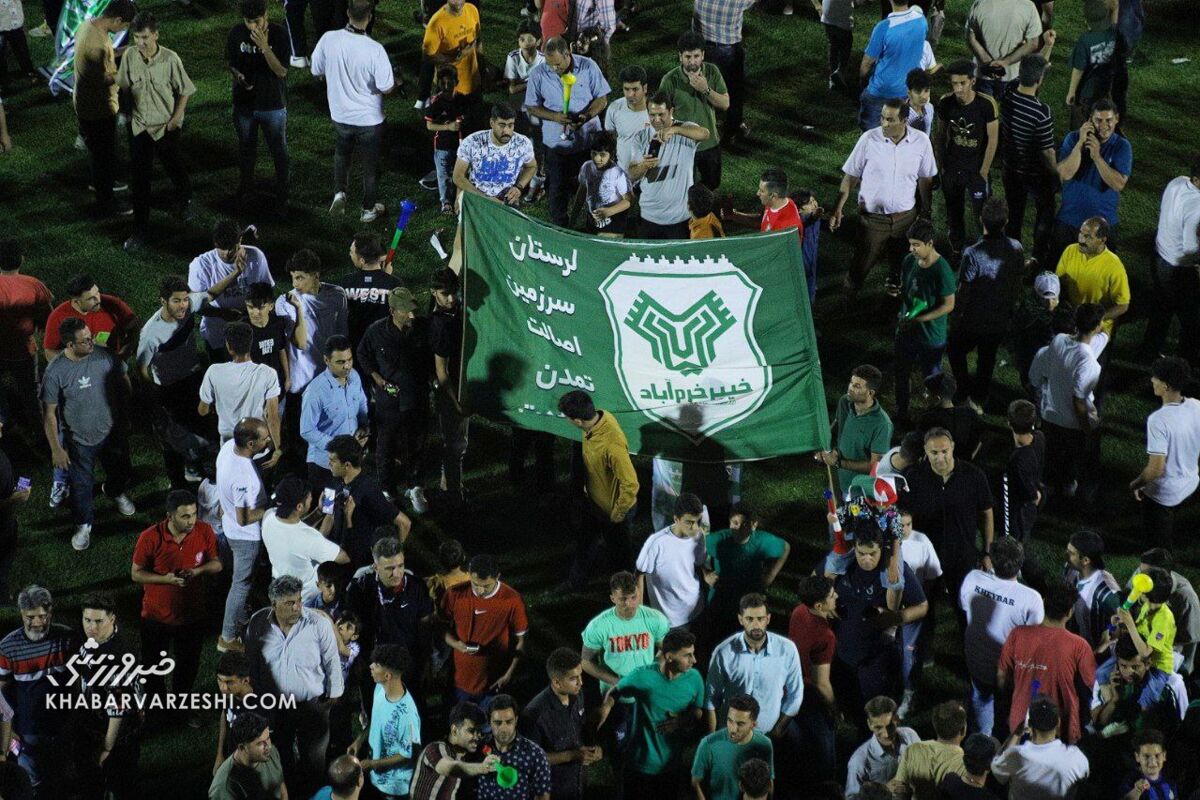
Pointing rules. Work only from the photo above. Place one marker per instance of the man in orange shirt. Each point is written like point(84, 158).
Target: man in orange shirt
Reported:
point(24, 302)
point(487, 632)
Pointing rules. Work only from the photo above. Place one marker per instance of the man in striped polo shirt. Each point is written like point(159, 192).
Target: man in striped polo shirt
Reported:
point(1098, 598)
point(30, 658)
point(1027, 142)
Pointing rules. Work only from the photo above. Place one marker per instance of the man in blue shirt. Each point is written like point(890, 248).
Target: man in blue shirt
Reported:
point(1094, 164)
point(394, 733)
point(759, 663)
point(895, 47)
point(566, 132)
point(334, 404)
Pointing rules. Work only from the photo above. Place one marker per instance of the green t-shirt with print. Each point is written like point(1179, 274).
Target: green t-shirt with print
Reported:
point(656, 699)
point(626, 644)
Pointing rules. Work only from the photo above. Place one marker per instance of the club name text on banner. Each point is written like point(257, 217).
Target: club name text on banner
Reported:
point(703, 351)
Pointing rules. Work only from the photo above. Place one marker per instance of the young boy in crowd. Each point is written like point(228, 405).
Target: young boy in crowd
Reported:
point(920, 109)
point(1147, 782)
point(444, 116)
point(918, 555)
point(1022, 486)
point(233, 681)
point(270, 332)
point(331, 585)
point(704, 224)
point(347, 628)
point(810, 215)
point(517, 66)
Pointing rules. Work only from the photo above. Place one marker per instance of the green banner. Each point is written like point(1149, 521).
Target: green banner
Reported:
point(703, 351)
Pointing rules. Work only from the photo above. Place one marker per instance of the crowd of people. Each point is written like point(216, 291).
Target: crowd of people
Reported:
point(297, 432)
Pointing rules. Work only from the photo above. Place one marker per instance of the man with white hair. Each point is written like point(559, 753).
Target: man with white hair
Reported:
point(29, 658)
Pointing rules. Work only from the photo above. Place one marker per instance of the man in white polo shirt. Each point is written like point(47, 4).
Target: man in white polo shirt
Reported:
point(357, 75)
point(1173, 448)
point(893, 167)
point(1177, 268)
point(1042, 768)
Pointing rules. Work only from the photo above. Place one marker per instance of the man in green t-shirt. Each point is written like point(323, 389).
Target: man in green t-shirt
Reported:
point(668, 698)
point(699, 91)
point(254, 769)
point(720, 755)
point(616, 642)
point(926, 290)
point(864, 430)
point(746, 560)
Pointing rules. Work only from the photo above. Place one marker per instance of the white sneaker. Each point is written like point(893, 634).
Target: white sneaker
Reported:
point(82, 539)
point(125, 505)
point(299, 62)
point(338, 206)
point(371, 214)
point(905, 703)
point(416, 496)
point(419, 105)
point(191, 474)
point(59, 492)
point(81, 145)
point(40, 32)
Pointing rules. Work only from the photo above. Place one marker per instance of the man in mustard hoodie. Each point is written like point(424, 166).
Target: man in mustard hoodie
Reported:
point(610, 488)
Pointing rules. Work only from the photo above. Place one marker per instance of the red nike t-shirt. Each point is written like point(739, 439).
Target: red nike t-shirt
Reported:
point(788, 216)
point(490, 622)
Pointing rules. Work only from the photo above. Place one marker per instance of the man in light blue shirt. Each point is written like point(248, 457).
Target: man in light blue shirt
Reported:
point(394, 733)
point(334, 404)
point(895, 47)
point(759, 663)
point(566, 132)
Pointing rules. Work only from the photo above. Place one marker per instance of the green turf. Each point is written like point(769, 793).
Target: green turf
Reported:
point(797, 125)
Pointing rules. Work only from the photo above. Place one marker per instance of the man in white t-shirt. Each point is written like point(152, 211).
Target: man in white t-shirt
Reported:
point(243, 500)
point(1171, 474)
point(1064, 375)
point(497, 164)
point(1043, 768)
point(918, 555)
point(671, 565)
point(994, 605)
point(357, 75)
point(240, 388)
point(910, 450)
point(293, 547)
point(627, 116)
point(213, 267)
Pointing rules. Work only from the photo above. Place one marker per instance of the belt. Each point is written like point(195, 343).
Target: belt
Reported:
point(894, 216)
point(733, 46)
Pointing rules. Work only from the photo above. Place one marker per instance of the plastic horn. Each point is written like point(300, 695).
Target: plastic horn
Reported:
point(1141, 584)
point(407, 207)
point(507, 776)
point(568, 81)
point(919, 305)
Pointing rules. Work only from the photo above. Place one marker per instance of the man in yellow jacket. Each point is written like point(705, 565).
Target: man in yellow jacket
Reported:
point(610, 487)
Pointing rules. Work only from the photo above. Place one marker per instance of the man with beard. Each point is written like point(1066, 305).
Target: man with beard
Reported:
point(255, 769)
point(29, 657)
point(516, 751)
point(450, 770)
point(746, 560)
point(864, 430)
point(497, 164)
point(699, 92)
point(554, 720)
point(106, 743)
point(663, 170)
point(333, 404)
point(721, 754)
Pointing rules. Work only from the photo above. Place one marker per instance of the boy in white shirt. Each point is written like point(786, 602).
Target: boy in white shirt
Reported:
point(1043, 768)
point(994, 605)
point(671, 565)
point(517, 66)
point(918, 554)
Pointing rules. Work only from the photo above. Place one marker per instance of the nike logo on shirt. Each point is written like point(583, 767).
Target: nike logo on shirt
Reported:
point(481, 611)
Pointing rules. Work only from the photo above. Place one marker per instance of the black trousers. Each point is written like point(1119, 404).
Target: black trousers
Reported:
point(178, 401)
point(14, 40)
point(542, 444)
point(961, 343)
point(1018, 189)
point(142, 152)
point(562, 179)
point(302, 736)
point(22, 405)
point(877, 674)
point(960, 186)
point(1176, 294)
point(731, 60)
point(184, 643)
point(597, 534)
point(399, 445)
point(1071, 455)
point(652, 230)
point(841, 42)
point(100, 136)
point(708, 164)
point(1158, 523)
point(118, 775)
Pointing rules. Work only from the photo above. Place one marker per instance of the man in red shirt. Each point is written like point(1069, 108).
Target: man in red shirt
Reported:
point(779, 211)
point(1058, 661)
point(809, 630)
point(111, 321)
point(171, 559)
point(485, 617)
point(24, 300)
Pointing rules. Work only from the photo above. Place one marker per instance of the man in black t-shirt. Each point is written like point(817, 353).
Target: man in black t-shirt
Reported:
point(256, 53)
point(553, 720)
point(362, 514)
point(964, 142)
point(270, 332)
point(445, 339)
point(366, 288)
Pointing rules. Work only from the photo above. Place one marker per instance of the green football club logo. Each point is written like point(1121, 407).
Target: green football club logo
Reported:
point(684, 342)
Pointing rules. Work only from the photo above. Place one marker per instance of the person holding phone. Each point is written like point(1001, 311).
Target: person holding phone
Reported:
point(664, 171)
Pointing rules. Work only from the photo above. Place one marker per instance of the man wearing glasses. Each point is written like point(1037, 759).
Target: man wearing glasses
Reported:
point(89, 384)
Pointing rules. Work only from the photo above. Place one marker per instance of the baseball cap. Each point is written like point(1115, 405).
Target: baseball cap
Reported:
point(1046, 284)
point(401, 299)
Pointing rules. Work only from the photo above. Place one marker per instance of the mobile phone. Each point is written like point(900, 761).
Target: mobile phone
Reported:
point(23, 484)
point(327, 497)
point(655, 147)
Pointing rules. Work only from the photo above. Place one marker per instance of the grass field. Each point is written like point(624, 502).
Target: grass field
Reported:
point(797, 124)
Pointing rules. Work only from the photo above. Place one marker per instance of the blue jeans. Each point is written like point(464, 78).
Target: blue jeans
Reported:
point(41, 758)
point(983, 707)
point(809, 745)
point(996, 87)
point(244, 554)
point(869, 109)
point(1131, 20)
point(912, 653)
point(367, 140)
point(912, 350)
point(246, 123)
point(113, 456)
point(443, 162)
